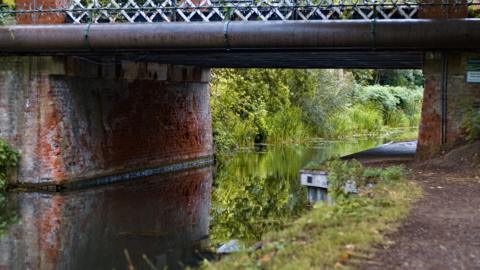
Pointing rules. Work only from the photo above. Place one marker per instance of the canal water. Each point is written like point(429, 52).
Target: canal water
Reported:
point(162, 221)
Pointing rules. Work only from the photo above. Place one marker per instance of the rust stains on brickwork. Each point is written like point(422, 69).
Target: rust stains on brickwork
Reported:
point(429, 137)
point(49, 140)
point(75, 120)
point(446, 90)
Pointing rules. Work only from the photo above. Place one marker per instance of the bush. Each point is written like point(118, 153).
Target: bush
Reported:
point(473, 11)
point(471, 124)
point(400, 106)
point(359, 119)
point(271, 105)
point(405, 78)
point(8, 160)
point(342, 172)
point(377, 175)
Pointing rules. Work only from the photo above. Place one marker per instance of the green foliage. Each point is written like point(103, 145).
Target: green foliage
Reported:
point(281, 105)
point(331, 95)
point(10, 3)
point(8, 214)
point(5, 16)
point(378, 175)
point(257, 105)
point(404, 135)
point(342, 172)
point(254, 193)
point(8, 160)
point(409, 78)
point(400, 106)
point(258, 191)
point(471, 123)
point(348, 229)
point(474, 11)
point(286, 125)
point(358, 119)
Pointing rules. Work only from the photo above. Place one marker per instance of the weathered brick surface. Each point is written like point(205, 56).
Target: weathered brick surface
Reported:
point(460, 96)
point(73, 120)
point(165, 217)
point(439, 11)
point(41, 18)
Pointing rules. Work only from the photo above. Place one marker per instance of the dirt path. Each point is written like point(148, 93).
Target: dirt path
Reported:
point(443, 228)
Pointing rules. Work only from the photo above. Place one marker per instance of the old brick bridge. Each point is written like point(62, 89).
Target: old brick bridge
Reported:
point(94, 92)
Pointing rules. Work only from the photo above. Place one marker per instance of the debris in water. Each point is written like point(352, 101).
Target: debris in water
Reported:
point(229, 247)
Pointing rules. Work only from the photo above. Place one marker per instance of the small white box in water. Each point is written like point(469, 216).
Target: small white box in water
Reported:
point(314, 179)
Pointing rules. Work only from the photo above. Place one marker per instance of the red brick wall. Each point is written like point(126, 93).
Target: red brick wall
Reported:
point(459, 95)
point(41, 18)
point(430, 141)
point(437, 11)
point(72, 120)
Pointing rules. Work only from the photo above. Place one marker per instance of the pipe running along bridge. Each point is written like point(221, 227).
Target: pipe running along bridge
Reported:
point(100, 91)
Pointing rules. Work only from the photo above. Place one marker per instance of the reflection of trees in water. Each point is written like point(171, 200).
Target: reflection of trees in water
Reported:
point(255, 192)
point(8, 214)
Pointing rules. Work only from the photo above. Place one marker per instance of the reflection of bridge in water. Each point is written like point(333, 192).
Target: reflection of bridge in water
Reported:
point(164, 217)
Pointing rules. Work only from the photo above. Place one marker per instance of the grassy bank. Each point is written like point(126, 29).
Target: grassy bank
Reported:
point(333, 236)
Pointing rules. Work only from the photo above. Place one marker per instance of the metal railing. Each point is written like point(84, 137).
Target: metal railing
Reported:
point(150, 11)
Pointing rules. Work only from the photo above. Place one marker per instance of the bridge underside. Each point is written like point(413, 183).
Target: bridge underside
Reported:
point(373, 59)
point(284, 59)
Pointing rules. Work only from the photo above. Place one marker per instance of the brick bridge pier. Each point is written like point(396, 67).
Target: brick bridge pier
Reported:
point(78, 123)
point(448, 93)
point(73, 120)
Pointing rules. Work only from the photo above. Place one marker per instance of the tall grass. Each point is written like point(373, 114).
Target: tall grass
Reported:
point(287, 125)
point(358, 119)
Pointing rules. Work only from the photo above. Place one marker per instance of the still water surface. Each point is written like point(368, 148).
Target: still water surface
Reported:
point(168, 218)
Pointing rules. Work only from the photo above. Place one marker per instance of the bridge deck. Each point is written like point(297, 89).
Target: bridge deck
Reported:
point(154, 11)
point(241, 33)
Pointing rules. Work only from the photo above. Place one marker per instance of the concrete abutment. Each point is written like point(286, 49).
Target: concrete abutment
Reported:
point(72, 119)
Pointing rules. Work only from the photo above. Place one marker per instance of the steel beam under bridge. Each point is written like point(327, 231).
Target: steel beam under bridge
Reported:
point(323, 44)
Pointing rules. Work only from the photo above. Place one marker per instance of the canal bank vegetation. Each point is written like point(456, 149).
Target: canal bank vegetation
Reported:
point(294, 105)
point(471, 123)
point(8, 160)
point(337, 236)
